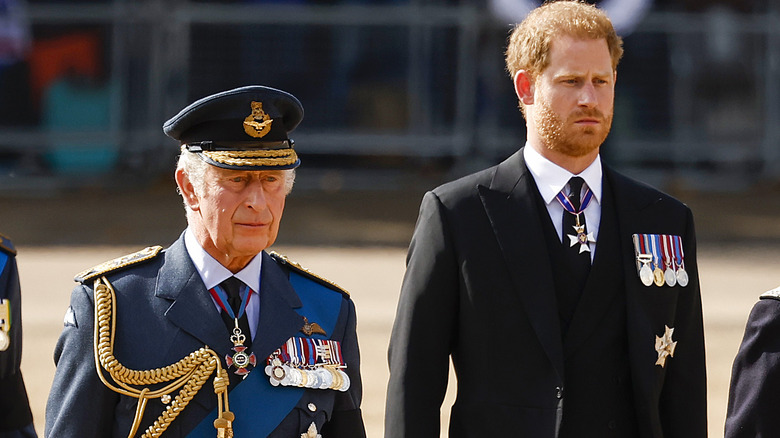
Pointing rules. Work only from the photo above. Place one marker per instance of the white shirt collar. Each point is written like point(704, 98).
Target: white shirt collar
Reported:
point(213, 273)
point(551, 178)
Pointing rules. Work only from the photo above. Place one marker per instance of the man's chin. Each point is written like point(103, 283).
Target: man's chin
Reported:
point(576, 150)
point(254, 246)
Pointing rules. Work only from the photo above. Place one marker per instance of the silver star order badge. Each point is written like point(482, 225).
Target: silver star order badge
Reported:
point(665, 346)
point(581, 238)
point(312, 432)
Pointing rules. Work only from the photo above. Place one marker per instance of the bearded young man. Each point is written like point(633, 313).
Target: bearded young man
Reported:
point(565, 294)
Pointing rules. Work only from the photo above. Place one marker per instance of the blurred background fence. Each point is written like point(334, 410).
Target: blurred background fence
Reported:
point(389, 86)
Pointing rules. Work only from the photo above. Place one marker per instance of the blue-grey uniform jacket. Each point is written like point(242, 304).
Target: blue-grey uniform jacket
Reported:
point(15, 416)
point(163, 313)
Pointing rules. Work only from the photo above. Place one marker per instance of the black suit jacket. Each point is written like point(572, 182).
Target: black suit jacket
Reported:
point(479, 289)
point(164, 313)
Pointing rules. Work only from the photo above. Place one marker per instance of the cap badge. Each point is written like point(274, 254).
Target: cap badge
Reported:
point(259, 122)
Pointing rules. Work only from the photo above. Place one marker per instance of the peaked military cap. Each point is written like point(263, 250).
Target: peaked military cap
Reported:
point(245, 128)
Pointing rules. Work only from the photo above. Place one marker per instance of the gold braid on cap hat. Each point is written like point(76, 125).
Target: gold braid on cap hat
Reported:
point(189, 374)
point(256, 157)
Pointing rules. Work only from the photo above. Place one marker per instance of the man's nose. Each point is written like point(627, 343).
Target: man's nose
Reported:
point(255, 196)
point(587, 97)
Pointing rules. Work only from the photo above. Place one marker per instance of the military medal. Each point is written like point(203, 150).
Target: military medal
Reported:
point(5, 324)
point(582, 238)
point(645, 273)
point(643, 259)
point(669, 274)
point(682, 275)
point(241, 359)
point(308, 363)
point(665, 346)
point(660, 259)
point(658, 274)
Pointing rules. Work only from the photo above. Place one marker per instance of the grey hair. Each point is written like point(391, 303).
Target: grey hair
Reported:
point(195, 168)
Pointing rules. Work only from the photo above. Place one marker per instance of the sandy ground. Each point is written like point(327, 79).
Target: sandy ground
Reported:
point(732, 278)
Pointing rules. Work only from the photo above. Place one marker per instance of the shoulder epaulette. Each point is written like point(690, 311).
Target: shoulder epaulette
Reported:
point(283, 260)
point(6, 245)
point(771, 294)
point(143, 255)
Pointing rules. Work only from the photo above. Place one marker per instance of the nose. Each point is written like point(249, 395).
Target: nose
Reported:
point(255, 196)
point(587, 96)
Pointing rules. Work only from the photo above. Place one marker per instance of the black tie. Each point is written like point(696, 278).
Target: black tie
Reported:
point(577, 263)
point(232, 287)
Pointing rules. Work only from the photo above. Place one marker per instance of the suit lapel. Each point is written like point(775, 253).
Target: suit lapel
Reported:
point(192, 310)
point(278, 319)
point(511, 207)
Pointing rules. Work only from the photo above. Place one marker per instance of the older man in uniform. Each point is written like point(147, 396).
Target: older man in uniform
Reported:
point(15, 416)
point(213, 336)
point(565, 294)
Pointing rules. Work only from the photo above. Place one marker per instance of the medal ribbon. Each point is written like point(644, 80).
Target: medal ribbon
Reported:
point(667, 252)
point(679, 257)
point(220, 296)
point(642, 243)
point(567, 205)
point(658, 251)
point(304, 352)
point(656, 248)
point(647, 247)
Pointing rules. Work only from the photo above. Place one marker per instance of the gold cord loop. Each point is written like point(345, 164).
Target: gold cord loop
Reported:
point(189, 373)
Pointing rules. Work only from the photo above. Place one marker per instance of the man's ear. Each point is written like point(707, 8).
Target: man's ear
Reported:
point(187, 190)
point(524, 87)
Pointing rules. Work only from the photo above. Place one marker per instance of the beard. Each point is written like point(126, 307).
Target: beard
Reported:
point(568, 139)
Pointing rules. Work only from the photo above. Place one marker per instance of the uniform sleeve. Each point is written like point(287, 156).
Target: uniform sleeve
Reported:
point(15, 415)
point(347, 420)
point(79, 405)
point(754, 394)
point(421, 339)
point(683, 406)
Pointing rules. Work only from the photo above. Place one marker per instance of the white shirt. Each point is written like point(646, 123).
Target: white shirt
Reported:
point(551, 179)
point(213, 273)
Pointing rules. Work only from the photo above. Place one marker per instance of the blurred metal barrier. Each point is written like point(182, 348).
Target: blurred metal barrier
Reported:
point(697, 93)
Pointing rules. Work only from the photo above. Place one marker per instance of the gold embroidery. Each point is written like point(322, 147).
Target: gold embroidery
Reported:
point(310, 328)
point(112, 265)
point(257, 157)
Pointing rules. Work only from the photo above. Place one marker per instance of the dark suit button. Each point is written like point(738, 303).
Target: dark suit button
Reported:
point(612, 425)
point(558, 392)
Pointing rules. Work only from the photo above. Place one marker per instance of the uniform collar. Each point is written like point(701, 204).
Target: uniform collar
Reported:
point(551, 178)
point(213, 273)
